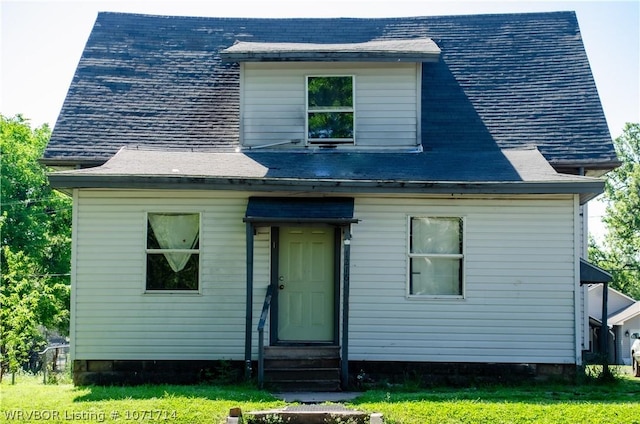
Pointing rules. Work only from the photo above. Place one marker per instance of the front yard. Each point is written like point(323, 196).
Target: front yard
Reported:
point(29, 400)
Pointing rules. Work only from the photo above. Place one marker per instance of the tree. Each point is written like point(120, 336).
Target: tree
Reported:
point(35, 226)
point(621, 250)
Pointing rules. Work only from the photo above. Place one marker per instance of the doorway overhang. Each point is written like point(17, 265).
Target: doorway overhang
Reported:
point(337, 211)
point(298, 210)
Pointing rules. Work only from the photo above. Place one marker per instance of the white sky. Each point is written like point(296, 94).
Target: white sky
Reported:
point(41, 42)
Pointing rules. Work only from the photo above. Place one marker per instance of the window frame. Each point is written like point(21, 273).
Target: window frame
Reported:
point(148, 251)
point(460, 256)
point(308, 111)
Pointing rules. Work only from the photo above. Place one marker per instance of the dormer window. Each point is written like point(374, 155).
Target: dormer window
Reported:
point(345, 97)
point(330, 110)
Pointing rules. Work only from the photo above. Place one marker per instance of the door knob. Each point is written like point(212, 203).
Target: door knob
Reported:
point(281, 286)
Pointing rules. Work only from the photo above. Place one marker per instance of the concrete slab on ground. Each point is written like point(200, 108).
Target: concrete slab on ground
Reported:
point(314, 414)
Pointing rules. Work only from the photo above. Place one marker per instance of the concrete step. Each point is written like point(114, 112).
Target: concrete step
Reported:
point(302, 363)
point(319, 374)
point(315, 414)
point(302, 368)
point(302, 352)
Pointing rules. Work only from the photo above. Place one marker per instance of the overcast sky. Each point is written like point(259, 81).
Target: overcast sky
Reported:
point(41, 41)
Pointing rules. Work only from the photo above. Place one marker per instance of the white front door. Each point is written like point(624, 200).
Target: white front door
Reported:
point(306, 284)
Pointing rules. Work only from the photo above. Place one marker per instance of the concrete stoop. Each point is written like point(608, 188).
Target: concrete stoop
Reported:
point(305, 414)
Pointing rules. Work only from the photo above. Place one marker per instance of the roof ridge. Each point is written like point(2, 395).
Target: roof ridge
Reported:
point(358, 18)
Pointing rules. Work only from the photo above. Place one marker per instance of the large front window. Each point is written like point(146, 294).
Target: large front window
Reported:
point(330, 109)
point(173, 251)
point(435, 256)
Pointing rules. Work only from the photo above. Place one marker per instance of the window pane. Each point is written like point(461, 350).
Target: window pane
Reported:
point(436, 235)
point(331, 125)
point(435, 276)
point(161, 276)
point(174, 230)
point(176, 268)
point(327, 92)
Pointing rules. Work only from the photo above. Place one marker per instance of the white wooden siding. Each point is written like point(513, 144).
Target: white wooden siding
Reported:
point(519, 275)
point(386, 98)
point(115, 319)
point(519, 272)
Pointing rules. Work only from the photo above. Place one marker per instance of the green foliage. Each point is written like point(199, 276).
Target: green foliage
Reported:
point(526, 403)
point(18, 315)
point(35, 219)
point(620, 253)
point(330, 102)
point(600, 374)
point(35, 226)
point(146, 403)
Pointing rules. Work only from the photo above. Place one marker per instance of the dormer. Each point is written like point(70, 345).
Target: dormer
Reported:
point(355, 96)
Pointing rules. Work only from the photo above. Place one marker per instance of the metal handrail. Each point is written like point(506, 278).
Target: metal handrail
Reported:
point(45, 365)
point(59, 346)
point(263, 320)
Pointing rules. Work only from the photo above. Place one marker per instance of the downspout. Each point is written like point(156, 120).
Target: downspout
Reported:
point(345, 309)
point(73, 336)
point(604, 330)
point(584, 224)
point(579, 301)
point(249, 305)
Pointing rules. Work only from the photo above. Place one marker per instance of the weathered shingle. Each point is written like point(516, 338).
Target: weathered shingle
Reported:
point(413, 49)
point(503, 81)
point(510, 171)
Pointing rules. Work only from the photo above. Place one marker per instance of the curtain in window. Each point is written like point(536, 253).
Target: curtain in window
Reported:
point(176, 231)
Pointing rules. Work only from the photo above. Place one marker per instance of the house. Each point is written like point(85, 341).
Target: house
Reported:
point(623, 319)
point(323, 200)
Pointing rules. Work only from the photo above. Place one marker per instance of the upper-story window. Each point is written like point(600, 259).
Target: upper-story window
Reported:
point(330, 109)
point(364, 96)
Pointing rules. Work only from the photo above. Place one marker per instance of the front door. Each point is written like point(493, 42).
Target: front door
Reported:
point(306, 284)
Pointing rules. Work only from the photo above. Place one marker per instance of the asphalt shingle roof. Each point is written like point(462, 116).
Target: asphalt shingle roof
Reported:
point(508, 171)
point(503, 81)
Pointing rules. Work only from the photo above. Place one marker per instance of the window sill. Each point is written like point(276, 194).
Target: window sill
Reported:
point(415, 297)
point(333, 148)
point(189, 293)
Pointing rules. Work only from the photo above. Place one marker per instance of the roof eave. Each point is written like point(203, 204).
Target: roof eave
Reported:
point(404, 50)
point(329, 57)
point(586, 189)
point(596, 167)
point(70, 164)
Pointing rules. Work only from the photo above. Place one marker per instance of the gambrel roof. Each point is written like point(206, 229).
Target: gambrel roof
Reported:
point(502, 82)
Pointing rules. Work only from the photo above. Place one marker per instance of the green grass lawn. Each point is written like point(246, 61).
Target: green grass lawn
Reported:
point(31, 401)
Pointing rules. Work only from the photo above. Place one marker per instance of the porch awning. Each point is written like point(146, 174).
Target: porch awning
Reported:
point(591, 274)
point(327, 210)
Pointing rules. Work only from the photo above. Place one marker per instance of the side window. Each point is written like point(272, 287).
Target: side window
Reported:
point(173, 251)
point(436, 260)
point(330, 110)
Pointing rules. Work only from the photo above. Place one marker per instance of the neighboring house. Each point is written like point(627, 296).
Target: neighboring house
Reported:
point(411, 190)
point(623, 319)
